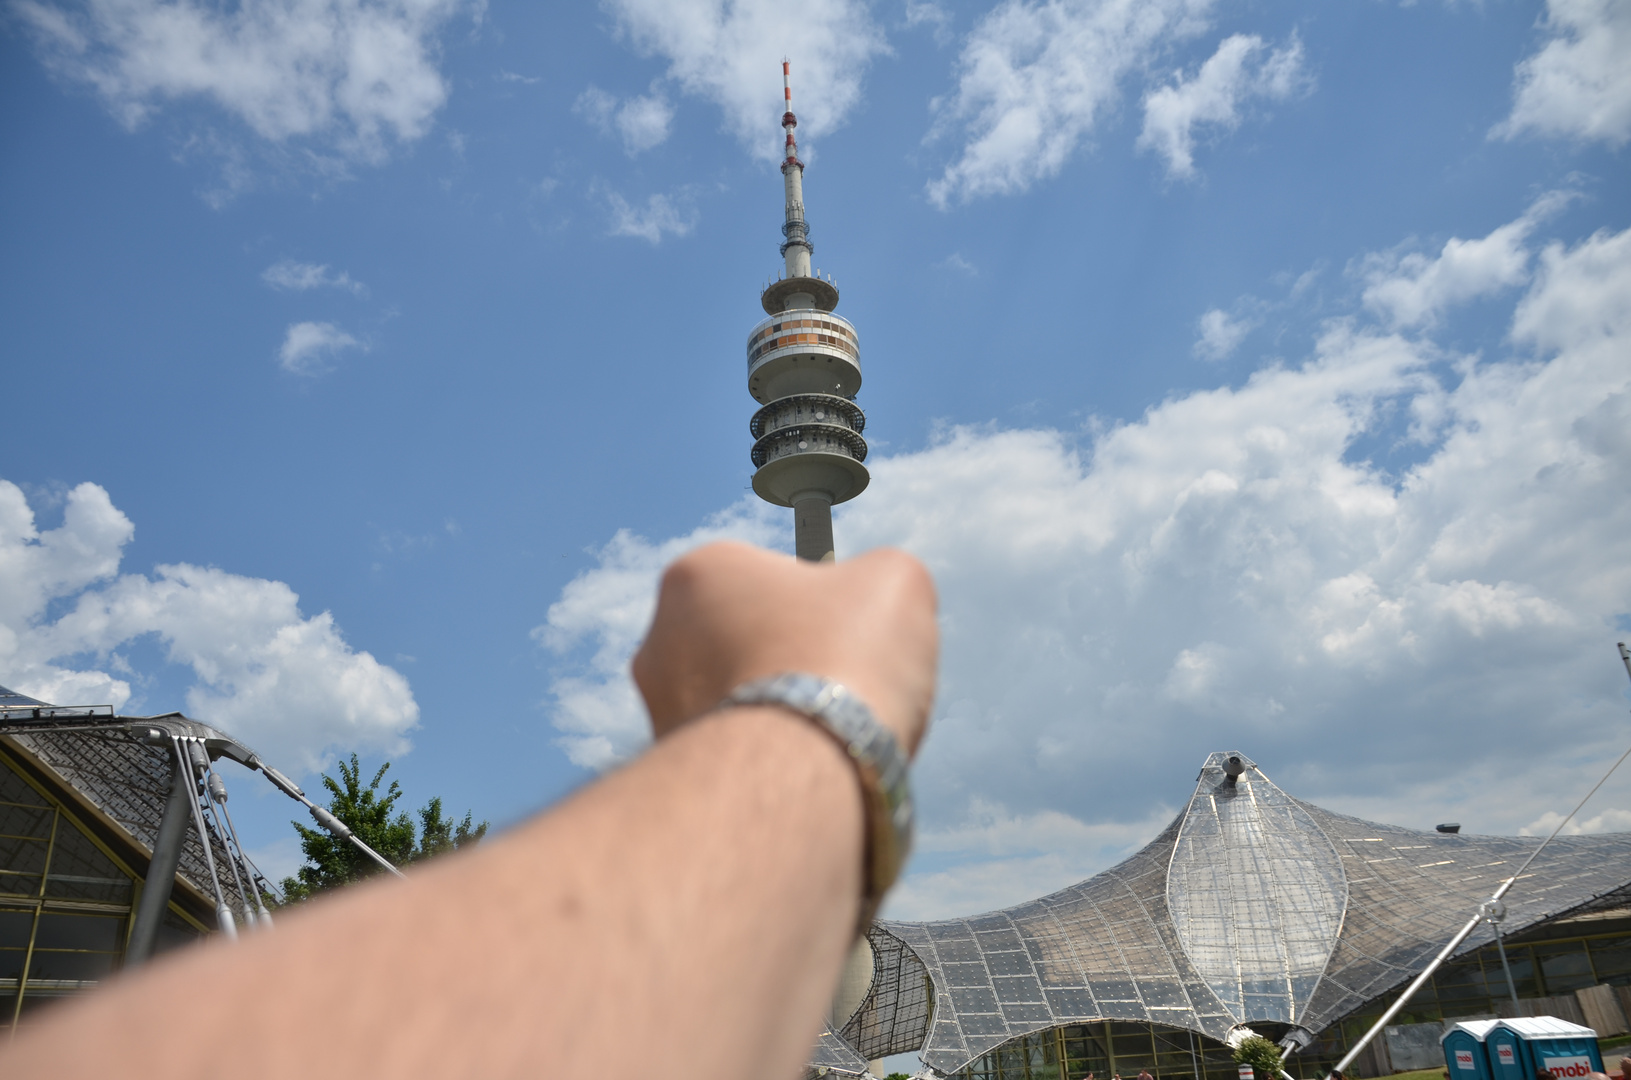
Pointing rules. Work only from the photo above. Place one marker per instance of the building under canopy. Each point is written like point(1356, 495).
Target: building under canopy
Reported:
point(1252, 908)
point(115, 843)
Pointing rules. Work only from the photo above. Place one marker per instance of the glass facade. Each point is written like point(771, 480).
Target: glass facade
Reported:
point(1251, 908)
point(1582, 952)
point(896, 1010)
point(1591, 950)
point(803, 326)
point(804, 330)
point(66, 900)
point(1105, 1050)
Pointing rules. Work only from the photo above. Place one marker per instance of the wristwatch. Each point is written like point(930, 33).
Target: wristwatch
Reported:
point(878, 761)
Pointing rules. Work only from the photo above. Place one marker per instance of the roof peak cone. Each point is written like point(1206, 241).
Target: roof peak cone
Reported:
point(1257, 892)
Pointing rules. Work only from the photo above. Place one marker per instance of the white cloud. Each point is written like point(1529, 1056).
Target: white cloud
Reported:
point(512, 77)
point(309, 346)
point(729, 53)
point(1579, 84)
point(349, 75)
point(1002, 858)
point(1214, 95)
point(1223, 573)
point(291, 276)
point(930, 14)
point(1035, 78)
point(641, 122)
point(1413, 289)
point(1607, 821)
point(1220, 334)
point(660, 215)
point(1579, 301)
point(600, 619)
point(287, 684)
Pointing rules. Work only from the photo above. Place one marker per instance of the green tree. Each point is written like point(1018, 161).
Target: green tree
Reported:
point(371, 814)
point(438, 834)
point(1262, 1055)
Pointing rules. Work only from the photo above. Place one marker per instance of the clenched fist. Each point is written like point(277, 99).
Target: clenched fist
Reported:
point(728, 613)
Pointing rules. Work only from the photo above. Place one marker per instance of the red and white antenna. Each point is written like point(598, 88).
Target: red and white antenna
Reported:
point(797, 250)
point(789, 121)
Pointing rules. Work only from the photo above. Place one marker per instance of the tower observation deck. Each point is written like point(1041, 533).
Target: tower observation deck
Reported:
point(804, 368)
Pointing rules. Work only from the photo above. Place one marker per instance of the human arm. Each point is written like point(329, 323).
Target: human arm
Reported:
point(687, 914)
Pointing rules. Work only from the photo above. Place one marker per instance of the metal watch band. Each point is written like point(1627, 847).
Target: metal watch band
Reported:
point(878, 760)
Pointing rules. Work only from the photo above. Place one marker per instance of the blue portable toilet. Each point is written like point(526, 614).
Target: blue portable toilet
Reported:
point(1506, 1059)
point(1465, 1053)
point(1569, 1051)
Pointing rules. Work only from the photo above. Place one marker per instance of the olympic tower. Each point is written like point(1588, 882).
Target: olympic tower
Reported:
point(804, 368)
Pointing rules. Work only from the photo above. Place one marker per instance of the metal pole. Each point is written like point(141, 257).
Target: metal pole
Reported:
point(212, 804)
point(322, 816)
point(223, 914)
point(1493, 902)
point(34, 924)
point(161, 869)
point(1511, 986)
point(1410, 991)
point(250, 871)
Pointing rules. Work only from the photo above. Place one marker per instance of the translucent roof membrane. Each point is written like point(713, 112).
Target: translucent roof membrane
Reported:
point(1256, 893)
point(1251, 906)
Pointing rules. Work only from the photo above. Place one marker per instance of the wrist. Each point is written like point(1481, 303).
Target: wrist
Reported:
point(875, 757)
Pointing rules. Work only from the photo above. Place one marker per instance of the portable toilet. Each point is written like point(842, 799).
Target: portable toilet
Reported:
point(1568, 1051)
point(1465, 1053)
point(1506, 1060)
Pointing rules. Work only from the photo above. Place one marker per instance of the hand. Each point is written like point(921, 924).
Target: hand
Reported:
point(727, 613)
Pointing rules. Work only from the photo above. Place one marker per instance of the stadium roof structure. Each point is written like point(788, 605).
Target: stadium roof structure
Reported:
point(123, 777)
point(150, 783)
point(1252, 907)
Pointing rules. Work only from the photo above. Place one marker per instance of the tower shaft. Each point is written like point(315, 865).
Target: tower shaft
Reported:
point(796, 252)
point(812, 528)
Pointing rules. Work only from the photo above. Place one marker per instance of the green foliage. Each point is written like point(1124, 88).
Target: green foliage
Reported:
point(897, 1076)
point(368, 812)
point(1261, 1054)
point(438, 834)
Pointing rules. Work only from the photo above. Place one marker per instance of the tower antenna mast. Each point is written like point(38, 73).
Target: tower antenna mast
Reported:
point(804, 368)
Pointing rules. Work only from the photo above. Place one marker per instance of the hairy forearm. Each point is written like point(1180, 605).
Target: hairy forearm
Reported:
point(687, 914)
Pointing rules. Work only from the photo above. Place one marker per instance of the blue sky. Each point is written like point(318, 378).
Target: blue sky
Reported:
point(1253, 376)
